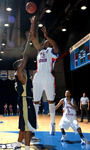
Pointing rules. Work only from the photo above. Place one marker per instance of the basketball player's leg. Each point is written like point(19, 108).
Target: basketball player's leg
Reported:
point(63, 131)
point(64, 124)
point(32, 124)
point(37, 93)
point(24, 135)
point(50, 93)
point(21, 136)
point(29, 116)
point(27, 140)
point(52, 110)
point(83, 142)
point(52, 115)
point(21, 126)
point(80, 132)
point(75, 126)
point(63, 135)
point(36, 105)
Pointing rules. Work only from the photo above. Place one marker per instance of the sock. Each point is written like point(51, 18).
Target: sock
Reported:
point(19, 143)
point(52, 112)
point(36, 108)
point(27, 147)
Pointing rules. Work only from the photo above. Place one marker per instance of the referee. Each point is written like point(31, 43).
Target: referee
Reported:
point(84, 106)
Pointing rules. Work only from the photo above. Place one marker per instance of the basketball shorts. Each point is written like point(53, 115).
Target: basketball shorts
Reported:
point(43, 81)
point(27, 118)
point(69, 121)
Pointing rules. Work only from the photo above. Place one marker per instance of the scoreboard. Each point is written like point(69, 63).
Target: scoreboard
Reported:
point(80, 53)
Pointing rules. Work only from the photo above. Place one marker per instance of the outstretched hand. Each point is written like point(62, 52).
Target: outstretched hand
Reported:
point(44, 31)
point(32, 20)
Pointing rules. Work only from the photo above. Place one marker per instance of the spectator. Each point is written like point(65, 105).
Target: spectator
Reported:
point(11, 109)
point(5, 109)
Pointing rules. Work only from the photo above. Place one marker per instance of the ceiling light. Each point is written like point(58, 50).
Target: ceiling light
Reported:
point(6, 25)
point(83, 7)
point(40, 25)
point(48, 11)
point(64, 30)
point(30, 43)
point(2, 52)
point(3, 44)
point(0, 59)
point(8, 9)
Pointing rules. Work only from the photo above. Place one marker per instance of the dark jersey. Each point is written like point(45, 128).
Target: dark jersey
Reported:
point(27, 118)
point(19, 87)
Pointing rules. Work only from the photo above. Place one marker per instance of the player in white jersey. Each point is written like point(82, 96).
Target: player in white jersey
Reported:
point(43, 79)
point(69, 118)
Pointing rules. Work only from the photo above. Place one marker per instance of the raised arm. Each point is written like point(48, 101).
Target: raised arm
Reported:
point(51, 41)
point(22, 63)
point(35, 42)
point(25, 53)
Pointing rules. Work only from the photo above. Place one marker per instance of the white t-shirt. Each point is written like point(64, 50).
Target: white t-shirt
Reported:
point(84, 100)
point(46, 60)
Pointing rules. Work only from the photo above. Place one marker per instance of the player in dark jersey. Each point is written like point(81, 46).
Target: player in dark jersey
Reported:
point(27, 119)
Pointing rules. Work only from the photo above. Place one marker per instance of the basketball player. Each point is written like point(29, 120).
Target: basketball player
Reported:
point(27, 119)
point(43, 78)
point(69, 118)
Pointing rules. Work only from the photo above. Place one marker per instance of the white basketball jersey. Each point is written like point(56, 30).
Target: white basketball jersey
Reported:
point(46, 60)
point(84, 100)
point(68, 109)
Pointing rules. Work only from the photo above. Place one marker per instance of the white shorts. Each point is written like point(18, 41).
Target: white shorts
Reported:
point(69, 121)
point(43, 81)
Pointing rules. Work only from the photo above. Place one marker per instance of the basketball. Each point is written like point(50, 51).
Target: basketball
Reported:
point(31, 7)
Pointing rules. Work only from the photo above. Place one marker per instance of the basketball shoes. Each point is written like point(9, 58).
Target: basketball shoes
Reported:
point(83, 142)
point(63, 137)
point(17, 148)
point(52, 129)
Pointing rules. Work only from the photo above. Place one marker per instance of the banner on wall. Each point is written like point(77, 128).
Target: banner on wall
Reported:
point(3, 75)
point(11, 75)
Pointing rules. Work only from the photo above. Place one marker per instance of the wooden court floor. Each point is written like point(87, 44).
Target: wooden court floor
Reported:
point(9, 127)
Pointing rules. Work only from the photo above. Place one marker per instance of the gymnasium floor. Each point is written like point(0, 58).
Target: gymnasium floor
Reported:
point(9, 134)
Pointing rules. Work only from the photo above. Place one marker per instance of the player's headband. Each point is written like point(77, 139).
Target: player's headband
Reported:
point(17, 63)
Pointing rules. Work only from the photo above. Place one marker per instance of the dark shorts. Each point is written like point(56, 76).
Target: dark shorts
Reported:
point(27, 118)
